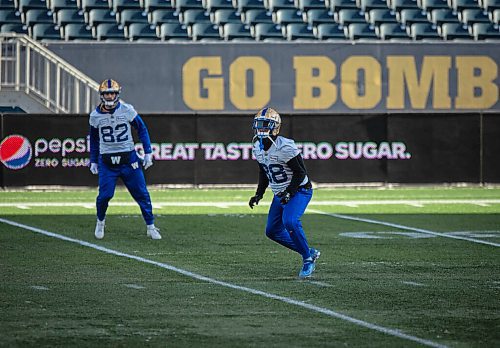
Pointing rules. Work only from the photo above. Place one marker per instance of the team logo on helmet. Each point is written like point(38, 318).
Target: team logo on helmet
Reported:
point(110, 86)
point(15, 152)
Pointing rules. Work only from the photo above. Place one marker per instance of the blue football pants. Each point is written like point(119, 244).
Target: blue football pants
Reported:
point(284, 225)
point(133, 178)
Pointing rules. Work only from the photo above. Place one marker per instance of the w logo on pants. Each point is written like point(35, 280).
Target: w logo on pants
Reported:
point(135, 165)
point(116, 159)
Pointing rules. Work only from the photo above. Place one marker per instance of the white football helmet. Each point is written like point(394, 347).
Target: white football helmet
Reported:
point(109, 86)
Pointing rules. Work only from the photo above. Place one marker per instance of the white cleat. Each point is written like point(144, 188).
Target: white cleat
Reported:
point(153, 233)
point(99, 229)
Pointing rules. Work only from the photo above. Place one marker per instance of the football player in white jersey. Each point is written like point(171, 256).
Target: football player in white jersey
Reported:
point(113, 156)
point(282, 167)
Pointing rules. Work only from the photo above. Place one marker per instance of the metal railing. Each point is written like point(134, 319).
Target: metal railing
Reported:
point(29, 67)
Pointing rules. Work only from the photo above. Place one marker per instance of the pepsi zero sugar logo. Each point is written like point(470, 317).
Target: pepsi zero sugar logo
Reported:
point(15, 152)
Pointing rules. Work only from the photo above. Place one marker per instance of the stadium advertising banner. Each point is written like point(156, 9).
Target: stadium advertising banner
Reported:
point(54, 150)
point(331, 78)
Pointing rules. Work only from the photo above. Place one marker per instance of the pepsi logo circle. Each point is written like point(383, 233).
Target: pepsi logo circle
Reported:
point(15, 152)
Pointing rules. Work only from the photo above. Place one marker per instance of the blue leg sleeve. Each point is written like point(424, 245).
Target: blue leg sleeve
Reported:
point(292, 213)
point(136, 185)
point(275, 229)
point(107, 184)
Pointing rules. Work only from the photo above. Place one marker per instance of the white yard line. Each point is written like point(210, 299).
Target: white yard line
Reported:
point(412, 283)
point(134, 286)
point(402, 227)
point(224, 205)
point(326, 311)
point(39, 287)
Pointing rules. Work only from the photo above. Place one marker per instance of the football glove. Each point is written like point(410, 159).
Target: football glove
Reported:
point(254, 200)
point(285, 197)
point(148, 160)
point(94, 168)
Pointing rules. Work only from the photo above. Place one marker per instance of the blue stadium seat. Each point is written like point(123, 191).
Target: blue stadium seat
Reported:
point(495, 16)
point(128, 16)
point(485, 31)
point(152, 5)
point(213, 5)
point(56, 5)
point(7, 4)
point(299, 31)
point(99, 15)
point(409, 16)
point(490, 5)
point(192, 16)
point(367, 5)
point(459, 5)
point(244, 5)
point(470, 16)
point(286, 16)
point(317, 16)
point(328, 31)
point(236, 31)
point(10, 16)
point(204, 31)
point(14, 28)
point(377, 16)
point(440, 16)
point(25, 5)
point(108, 31)
point(68, 15)
point(306, 5)
point(424, 31)
point(345, 17)
point(120, 5)
point(88, 5)
point(160, 16)
point(223, 16)
point(267, 32)
point(44, 31)
point(357, 31)
point(336, 5)
point(254, 16)
point(75, 31)
point(397, 5)
point(141, 31)
point(274, 5)
point(452, 31)
point(173, 32)
point(34, 16)
point(389, 31)
point(183, 5)
point(428, 5)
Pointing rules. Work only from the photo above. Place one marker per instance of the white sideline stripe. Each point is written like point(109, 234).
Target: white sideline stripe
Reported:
point(353, 204)
point(134, 286)
point(402, 227)
point(412, 283)
point(326, 311)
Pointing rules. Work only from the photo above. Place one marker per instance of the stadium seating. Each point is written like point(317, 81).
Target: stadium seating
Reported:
point(327, 31)
point(299, 31)
point(253, 19)
point(236, 31)
point(75, 31)
point(172, 32)
point(423, 31)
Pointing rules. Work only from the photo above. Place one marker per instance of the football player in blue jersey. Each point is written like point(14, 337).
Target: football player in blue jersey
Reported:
point(282, 167)
point(113, 155)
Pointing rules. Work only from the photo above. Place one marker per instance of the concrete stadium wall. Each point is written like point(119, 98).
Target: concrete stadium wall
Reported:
point(329, 78)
